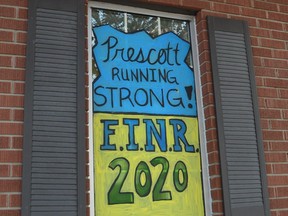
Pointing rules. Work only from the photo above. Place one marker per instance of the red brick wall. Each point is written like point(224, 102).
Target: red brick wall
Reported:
point(13, 26)
point(268, 25)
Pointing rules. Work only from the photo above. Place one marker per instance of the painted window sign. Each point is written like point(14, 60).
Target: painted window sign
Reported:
point(146, 75)
point(145, 126)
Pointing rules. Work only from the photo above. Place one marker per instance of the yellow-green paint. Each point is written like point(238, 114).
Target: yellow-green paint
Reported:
point(189, 202)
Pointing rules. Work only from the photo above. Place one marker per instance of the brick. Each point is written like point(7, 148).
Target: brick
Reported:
point(265, 72)
point(261, 102)
point(3, 200)
point(283, 93)
point(286, 137)
point(208, 99)
point(254, 41)
point(272, 192)
point(12, 49)
point(265, 6)
point(259, 81)
point(205, 13)
point(202, 36)
point(278, 16)
point(283, 8)
point(210, 123)
point(22, 3)
point(217, 194)
point(20, 62)
point(11, 101)
point(16, 171)
point(267, 92)
point(215, 182)
point(259, 32)
point(21, 37)
point(9, 156)
point(23, 13)
point(265, 146)
point(217, 207)
point(275, 103)
point(275, 63)
point(270, 113)
point(196, 4)
point(280, 168)
point(168, 2)
point(252, 22)
point(245, 3)
point(13, 24)
point(275, 157)
point(231, 9)
point(279, 1)
point(278, 203)
point(17, 142)
point(6, 36)
point(262, 52)
point(18, 115)
point(11, 129)
point(204, 56)
point(280, 35)
point(5, 114)
point(207, 88)
point(10, 212)
point(10, 185)
point(278, 146)
point(253, 13)
point(264, 124)
point(205, 67)
point(282, 191)
point(214, 170)
point(5, 61)
point(7, 12)
point(273, 43)
point(269, 169)
point(277, 83)
point(270, 25)
point(203, 46)
point(278, 124)
point(4, 142)
point(213, 157)
point(285, 114)
point(4, 170)
point(12, 74)
point(212, 146)
point(15, 200)
point(19, 88)
point(273, 135)
point(281, 54)
point(206, 78)
point(281, 212)
point(5, 87)
point(209, 111)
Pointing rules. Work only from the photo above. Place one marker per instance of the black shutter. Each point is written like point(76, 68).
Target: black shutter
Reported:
point(54, 124)
point(240, 140)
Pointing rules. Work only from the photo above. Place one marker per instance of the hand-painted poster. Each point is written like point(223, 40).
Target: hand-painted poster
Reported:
point(146, 138)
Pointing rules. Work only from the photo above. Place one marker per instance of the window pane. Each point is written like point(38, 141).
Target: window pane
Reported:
point(104, 17)
point(137, 22)
point(181, 28)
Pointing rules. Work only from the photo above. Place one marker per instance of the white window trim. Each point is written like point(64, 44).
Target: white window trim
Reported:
point(200, 110)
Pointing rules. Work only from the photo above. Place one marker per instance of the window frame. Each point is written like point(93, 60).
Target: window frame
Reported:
point(196, 68)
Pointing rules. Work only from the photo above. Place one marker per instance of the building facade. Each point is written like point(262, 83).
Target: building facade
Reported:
point(196, 86)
